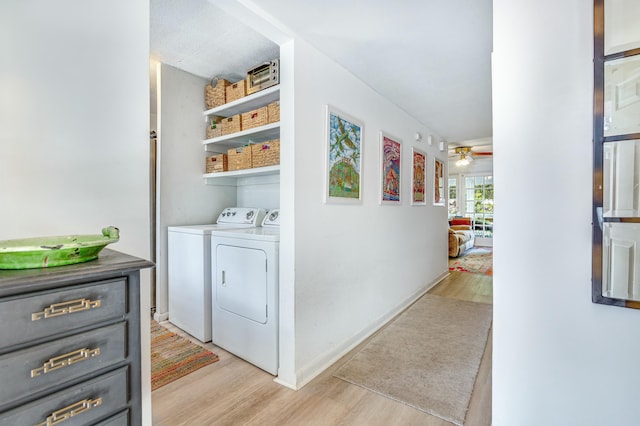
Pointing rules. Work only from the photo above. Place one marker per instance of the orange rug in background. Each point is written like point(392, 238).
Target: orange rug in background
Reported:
point(477, 260)
point(173, 357)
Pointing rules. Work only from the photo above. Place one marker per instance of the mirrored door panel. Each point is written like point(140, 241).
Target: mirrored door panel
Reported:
point(622, 31)
point(616, 153)
point(621, 274)
point(621, 163)
point(622, 96)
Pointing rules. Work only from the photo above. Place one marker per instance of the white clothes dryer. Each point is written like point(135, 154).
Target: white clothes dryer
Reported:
point(245, 292)
point(189, 269)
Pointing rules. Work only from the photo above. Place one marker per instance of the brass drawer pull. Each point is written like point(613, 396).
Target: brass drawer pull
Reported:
point(72, 410)
point(65, 308)
point(65, 360)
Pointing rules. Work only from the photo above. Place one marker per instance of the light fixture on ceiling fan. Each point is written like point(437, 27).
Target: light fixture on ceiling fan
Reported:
point(465, 156)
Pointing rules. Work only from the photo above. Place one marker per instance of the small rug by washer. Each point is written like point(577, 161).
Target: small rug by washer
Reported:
point(173, 357)
point(477, 260)
point(428, 358)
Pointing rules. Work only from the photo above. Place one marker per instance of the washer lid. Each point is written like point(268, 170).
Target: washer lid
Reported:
point(193, 229)
point(207, 229)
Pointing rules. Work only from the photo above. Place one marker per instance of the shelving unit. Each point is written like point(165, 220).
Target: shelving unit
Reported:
point(255, 135)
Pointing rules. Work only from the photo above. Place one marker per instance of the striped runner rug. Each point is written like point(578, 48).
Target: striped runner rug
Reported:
point(173, 357)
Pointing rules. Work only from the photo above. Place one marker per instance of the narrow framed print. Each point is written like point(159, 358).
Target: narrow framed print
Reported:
point(438, 183)
point(390, 169)
point(343, 158)
point(418, 178)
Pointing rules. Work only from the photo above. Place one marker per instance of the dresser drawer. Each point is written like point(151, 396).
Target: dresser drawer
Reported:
point(39, 315)
point(120, 419)
point(81, 404)
point(49, 364)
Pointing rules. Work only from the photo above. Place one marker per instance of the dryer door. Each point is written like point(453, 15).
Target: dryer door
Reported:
point(241, 281)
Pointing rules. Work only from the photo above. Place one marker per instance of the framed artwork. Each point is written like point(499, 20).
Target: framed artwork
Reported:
point(343, 158)
point(419, 178)
point(390, 180)
point(438, 183)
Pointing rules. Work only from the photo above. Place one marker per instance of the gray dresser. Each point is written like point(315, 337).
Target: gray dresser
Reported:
point(70, 343)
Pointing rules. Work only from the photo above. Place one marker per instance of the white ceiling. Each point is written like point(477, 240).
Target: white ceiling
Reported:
point(197, 37)
point(432, 58)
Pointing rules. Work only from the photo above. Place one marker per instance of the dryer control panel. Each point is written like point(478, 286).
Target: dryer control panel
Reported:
point(241, 215)
point(272, 218)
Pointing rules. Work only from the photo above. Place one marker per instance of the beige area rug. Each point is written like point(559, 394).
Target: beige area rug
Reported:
point(427, 358)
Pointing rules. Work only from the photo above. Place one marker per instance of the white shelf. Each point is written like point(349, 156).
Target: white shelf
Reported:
point(230, 178)
point(233, 140)
point(247, 103)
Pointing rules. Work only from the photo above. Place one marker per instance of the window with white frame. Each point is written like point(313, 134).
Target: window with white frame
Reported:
point(479, 204)
point(453, 197)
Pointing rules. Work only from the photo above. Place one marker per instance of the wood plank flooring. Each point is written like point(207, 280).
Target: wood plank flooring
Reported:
point(234, 392)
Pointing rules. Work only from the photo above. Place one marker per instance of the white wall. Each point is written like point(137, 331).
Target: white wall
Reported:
point(558, 358)
point(287, 280)
point(261, 191)
point(355, 266)
point(183, 197)
point(74, 150)
point(74, 123)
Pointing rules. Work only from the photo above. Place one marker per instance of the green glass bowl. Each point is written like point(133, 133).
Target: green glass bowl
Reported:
point(44, 252)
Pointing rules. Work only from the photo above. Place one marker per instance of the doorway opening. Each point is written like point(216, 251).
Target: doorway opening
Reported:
point(471, 196)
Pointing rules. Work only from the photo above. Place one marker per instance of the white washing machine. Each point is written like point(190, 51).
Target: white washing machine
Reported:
point(189, 269)
point(245, 291)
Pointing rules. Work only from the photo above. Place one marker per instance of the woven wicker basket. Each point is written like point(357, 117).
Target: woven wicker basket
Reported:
point(239, 158)
point(231, 124)
point(265, 153)
point(214, 133)
point(236, 91)
point(215, 93)
point(273, 112)
point(217, 163)
point(255, 118)
point(214, 129)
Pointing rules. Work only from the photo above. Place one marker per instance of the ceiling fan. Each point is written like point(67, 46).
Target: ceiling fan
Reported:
point(465, 154)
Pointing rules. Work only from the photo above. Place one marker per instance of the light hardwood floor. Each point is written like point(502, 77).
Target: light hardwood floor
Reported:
point(233, 392)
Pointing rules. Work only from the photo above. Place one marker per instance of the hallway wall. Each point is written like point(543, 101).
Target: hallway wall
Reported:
point(558, 358)
point(74, 126)
point(355, 265)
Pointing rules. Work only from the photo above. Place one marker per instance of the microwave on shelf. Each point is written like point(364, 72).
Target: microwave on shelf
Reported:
point(264, 75)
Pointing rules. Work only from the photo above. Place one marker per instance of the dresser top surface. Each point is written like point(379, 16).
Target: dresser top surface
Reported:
point(110, 263)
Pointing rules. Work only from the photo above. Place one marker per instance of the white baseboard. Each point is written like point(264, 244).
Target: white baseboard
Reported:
point(307, 373)
point(161, 316)
point(285, 384)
